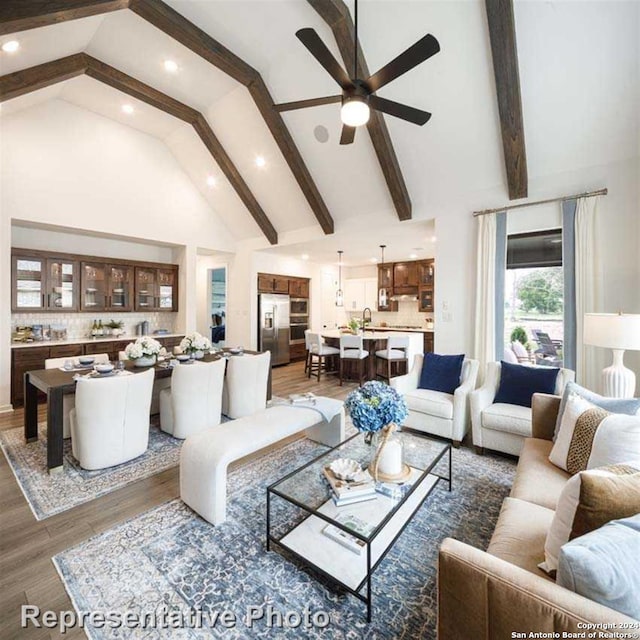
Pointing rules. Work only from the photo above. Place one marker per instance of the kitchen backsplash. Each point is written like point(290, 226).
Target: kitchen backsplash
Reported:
point(406, 315)
point(78, 325)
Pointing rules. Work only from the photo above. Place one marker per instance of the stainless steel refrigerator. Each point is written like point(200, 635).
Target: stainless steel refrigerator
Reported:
point(274, 330)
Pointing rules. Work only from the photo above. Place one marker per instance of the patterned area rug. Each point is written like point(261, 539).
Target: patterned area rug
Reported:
point(51, 494)
point(169, 562)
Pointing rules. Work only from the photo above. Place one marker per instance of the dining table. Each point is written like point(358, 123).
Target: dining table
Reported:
point(56, 383)
point(375, 340)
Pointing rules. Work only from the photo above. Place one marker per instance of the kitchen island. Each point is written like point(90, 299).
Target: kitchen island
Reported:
point(377, 341)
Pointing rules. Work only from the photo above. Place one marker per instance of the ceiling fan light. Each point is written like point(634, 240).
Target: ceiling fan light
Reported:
point(355, 112)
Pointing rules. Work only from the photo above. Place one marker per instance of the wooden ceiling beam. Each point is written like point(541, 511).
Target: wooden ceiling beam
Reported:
point(19, 15)
point(504, 51)
point(19, 83)
point(336, 14)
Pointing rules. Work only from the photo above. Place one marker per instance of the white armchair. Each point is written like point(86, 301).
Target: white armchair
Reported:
point(245, 385)
point(110, 423)
point(69, 399)
point(503, 427)
point(194, 401)
point(436, 412)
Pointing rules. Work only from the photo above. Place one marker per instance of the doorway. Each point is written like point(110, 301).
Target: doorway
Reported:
point(217, 280)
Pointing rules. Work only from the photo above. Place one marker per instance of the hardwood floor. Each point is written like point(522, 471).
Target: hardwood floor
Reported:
point(27, 575)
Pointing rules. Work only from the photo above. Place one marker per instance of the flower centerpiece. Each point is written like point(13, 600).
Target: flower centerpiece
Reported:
point(143, 351)
point(376, 409)
point(354, 326)
point(196, 344)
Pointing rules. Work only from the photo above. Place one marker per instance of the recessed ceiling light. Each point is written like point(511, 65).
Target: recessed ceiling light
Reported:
point(171, 66)
point(305, 256)
point(11, 46)
point(211, 181)
point(433, 238)
point(260, 161)
point(127, 108)
point(413, 256)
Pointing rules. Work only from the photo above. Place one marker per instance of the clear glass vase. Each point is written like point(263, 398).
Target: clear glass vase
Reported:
point(387, 459)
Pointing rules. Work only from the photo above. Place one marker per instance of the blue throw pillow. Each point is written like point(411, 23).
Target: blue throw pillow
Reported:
point(441, 373)
point(603, 566)
point(628, 406)
point(518, 383)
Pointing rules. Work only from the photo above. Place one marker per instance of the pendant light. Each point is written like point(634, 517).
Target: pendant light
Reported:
point(383, 298)
point(339, 294)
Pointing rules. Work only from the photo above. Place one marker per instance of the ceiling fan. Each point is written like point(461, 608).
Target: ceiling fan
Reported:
point(358, 96)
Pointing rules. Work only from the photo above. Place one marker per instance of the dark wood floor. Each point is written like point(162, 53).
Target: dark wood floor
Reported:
point(27, 575)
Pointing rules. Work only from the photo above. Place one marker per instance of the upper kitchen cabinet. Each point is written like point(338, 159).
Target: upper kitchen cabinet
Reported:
point(156, 289)
point(405, 278)
point(105, 287)
point(299, 287)
point(40, 283)
point(385, 276)
point(272, 283)
point(426, 273)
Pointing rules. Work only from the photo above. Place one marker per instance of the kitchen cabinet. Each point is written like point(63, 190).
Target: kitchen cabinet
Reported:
point(425, 299)
point(280, 284)
point(41, 283)
point(299, 287)
point(106, 287)
point(426, 273)
point(23, 360)
point(156, 289)
point(428, 342)
point(47, 281)
point(385, 280)
point(405, 278)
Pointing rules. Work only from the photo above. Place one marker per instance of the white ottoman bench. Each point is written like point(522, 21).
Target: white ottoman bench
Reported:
point(205, 456)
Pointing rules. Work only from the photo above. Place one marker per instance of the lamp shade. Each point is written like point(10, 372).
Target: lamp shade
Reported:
point(612, 330)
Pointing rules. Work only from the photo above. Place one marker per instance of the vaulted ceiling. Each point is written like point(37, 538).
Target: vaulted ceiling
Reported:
point(580, 101)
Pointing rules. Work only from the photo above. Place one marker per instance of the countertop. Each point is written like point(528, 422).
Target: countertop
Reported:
point(122, 338)
point(367, 335)
point(401, 329)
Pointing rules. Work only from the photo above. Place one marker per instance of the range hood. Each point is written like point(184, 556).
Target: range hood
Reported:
point(404, 297)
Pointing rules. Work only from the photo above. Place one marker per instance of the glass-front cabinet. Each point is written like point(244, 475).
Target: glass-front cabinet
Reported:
point(146, 288)
point(93, 282)
point(43, 284)
point(120, 279)
point(166, 289)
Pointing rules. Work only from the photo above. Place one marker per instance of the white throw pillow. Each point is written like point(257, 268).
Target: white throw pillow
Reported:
point(563, 520)
point(591, 437)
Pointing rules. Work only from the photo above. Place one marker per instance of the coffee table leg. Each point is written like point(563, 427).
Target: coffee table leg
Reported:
point(268, 520)
point(55, 434)
point(450, 475)
point(30, 410)
point(368, 582)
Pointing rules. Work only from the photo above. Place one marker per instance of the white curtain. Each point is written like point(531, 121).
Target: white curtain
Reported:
point(588, 290)
point(484, 346)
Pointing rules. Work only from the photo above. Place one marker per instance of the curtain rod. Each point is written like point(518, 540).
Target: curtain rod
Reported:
point(588, 194)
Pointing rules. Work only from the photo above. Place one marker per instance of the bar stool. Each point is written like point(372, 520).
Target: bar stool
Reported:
point(320, 352)
point(396, 352)
point(352, 350)
point(309, 348)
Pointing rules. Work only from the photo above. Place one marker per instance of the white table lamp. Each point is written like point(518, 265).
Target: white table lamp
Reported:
point(619, 332)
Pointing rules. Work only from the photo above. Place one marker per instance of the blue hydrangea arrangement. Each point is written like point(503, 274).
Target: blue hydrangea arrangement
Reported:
point(374, 405)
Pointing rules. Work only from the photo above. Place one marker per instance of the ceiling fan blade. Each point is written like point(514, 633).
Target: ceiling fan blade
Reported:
point(348, 134)
point(303, 104)
point(399, 110)
point(412, 57)
point(318, 49)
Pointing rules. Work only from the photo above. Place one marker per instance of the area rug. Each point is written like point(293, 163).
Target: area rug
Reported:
point(171, 564)
point(51, 494)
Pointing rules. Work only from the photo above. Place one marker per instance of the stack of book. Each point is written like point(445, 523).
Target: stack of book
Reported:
point(346, 492)
point(345, 539)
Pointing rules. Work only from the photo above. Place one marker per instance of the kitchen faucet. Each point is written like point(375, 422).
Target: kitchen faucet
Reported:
point(366, 320)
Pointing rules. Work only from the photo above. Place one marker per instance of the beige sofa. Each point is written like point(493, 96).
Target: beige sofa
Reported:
point(494, 594)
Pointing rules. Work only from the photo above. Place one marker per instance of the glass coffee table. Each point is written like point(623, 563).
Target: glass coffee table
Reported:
point(298, 524)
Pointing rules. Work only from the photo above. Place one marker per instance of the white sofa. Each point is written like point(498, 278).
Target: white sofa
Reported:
point(205, 456)
point(499, 426)
point(436, 412)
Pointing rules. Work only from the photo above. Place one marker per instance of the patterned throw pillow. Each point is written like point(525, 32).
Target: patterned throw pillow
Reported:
point(591, 437)
point(588, 501)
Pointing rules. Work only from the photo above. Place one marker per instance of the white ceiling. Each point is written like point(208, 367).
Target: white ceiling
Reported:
point(580, 77)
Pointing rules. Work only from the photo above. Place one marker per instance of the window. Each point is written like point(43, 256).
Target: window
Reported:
point(534, 297)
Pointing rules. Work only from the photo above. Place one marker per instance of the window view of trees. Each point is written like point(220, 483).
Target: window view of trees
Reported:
point(534, 313)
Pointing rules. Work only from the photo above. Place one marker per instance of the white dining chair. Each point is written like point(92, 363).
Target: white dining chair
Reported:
point(318, 355)
point(397, 352)
point(245, 385)
point(352, 350)
point(68, 399)
point(159, 385)
point(110, 422)
point(194, 401)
